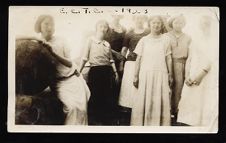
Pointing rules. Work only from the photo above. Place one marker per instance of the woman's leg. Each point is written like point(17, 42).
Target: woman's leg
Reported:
point(179, 75)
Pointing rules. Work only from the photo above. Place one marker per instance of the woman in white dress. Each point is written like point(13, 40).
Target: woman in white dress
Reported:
point(128, 91)
point(153, 75)
point(70, 87)
point(199, 99)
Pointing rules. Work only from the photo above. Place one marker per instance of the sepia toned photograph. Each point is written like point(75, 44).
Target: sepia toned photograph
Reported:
point(110, 69)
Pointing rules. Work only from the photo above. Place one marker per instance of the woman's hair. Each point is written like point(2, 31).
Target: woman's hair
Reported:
point(118, 16)
point(102, 22)
point(171, 20)
point(161, 18)
point(39, 21)
point(143, 17)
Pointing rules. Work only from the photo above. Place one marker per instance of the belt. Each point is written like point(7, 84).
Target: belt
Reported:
point(131, 57)
point(180, 60)
point(65, 77)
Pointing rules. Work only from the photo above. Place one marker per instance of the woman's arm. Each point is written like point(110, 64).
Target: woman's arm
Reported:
point(118, 55)
point(188, 61)
point(169, 61)
point(27, 38)
point(200, 75)
point(137, 71)
point(113, 65)
point(82, 65)
point(123, 53)
point(187, 67)
point(169, 64)
point(85, 57)
point(62, 60)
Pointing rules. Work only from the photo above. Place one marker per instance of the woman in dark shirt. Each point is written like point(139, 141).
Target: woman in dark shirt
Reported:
point(115, 37)
point(127, 89)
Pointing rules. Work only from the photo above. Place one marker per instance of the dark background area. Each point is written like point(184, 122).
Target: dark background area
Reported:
point(6, 137)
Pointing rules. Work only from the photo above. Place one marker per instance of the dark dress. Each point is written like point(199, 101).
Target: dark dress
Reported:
point(130, 41)
point(116, 39)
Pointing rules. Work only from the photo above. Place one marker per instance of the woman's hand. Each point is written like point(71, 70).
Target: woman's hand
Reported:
point(119, 56)
point(77, 73)
point(116, 77)
point(136, 81)
point(121, 67)
point(47, 46)
point(199, 78)
point(170, 80)
point(189, 82)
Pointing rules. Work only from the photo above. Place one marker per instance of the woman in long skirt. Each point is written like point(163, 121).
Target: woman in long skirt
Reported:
point(199, 99)
point(101, 76)
point(128, 91)
point(153, 75)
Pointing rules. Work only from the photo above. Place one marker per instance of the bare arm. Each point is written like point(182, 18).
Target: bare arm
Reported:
point(169, 64)
point(123, 53)
point(82, 65)
point(187, 66)
point(114, 52)
point(62, 60)
point(85, 57)
point(137, 71)
point(137, 66)
point(188, 61)
point(118, 55)
point(113, 66)
point(170, 69)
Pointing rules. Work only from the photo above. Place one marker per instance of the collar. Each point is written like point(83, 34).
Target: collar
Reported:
point(52, 39)
point(172, 33)
point(103, 42)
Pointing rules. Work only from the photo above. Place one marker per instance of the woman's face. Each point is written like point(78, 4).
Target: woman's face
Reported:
point(156, 25)
point(178, 24)
point(47, 27)
point(139, 22)
point(116, 18)
point(102, 28)
point(205, 24)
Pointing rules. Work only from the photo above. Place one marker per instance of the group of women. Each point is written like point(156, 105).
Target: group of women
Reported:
point(148, 74)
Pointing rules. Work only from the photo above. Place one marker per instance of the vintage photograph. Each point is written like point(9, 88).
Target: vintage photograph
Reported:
point(113, 69)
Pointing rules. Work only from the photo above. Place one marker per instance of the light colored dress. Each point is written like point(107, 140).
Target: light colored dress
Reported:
point(72, 91)
point(199, 104)
point(151, 105)
point(127, 90)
